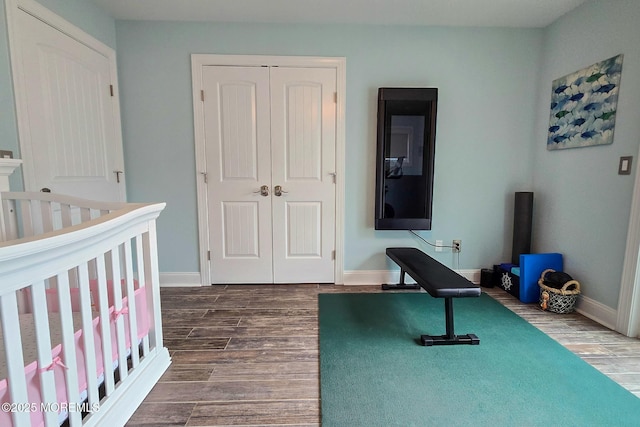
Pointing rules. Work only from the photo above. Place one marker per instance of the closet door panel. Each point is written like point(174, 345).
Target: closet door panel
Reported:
point(238, 162)
point(303, 133)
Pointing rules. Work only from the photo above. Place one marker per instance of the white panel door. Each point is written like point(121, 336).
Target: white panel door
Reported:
point(71, 141)
point(303, 141)
point(270, 127)
point(236, 117)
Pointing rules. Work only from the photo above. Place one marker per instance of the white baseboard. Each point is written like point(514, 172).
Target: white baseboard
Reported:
point(180, 279)
point(355, 277)
point(473, 275)
point(372, 277)
point(596, 311)
point(377, 277)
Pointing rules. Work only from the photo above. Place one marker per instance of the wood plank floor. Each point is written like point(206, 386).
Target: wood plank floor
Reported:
point(248, 355)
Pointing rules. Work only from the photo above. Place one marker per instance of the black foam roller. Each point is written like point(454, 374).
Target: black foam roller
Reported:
point(522, 223)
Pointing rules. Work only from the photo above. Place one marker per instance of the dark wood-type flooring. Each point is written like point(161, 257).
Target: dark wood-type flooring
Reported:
point(248, 355)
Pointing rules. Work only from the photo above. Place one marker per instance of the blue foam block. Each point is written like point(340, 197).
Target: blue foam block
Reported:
point(531, 266)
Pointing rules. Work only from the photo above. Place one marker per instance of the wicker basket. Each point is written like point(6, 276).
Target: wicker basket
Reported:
point(558, 300)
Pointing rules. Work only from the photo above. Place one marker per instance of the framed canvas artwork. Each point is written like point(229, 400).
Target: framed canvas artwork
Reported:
point(584, 106)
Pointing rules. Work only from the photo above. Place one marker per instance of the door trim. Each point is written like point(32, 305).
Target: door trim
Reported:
point(200, 60)
point(628, 311)
point(12, 7)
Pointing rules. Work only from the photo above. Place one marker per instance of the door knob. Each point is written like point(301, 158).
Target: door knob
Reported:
point(264, 191)
point(118, 175)
point(278, 191)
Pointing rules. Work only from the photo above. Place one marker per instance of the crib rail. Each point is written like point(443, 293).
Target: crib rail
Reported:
point(62, 255)
point(29, 214)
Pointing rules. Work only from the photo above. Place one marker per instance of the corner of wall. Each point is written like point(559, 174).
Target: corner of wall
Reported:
point(597, 312)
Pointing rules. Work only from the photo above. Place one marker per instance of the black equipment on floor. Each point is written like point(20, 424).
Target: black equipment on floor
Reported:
point(440, 282)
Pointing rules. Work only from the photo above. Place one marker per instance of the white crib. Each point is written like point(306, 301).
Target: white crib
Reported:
point(81, 278)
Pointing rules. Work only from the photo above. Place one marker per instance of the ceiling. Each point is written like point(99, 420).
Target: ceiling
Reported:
point(476, 13)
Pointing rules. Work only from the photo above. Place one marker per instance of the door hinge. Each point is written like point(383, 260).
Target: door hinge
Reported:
point(333, 254)
point(202, 95)
point(208, 255)
point(335, 97)
point(111, 89)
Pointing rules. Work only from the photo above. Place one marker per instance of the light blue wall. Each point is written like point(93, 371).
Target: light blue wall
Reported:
point(582, 205)
point(87, 16)
point(493, 114)
point(487, 80)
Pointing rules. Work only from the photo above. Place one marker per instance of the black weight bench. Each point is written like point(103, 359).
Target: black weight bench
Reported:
point(440, 282)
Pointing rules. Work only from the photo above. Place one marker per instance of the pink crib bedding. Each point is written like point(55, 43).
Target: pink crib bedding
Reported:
point(30, 352)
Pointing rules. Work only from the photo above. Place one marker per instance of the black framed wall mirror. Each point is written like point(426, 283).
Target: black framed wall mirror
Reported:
point(405, 158)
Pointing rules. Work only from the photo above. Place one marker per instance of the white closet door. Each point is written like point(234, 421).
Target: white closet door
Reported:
point(273, 128)
point(238, 155)
point(303, 141)
point(70, 134)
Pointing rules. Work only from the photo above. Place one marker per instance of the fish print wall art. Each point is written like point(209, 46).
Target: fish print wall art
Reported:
point(583, 106)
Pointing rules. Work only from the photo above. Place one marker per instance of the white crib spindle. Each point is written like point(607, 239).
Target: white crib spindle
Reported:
point(3, 227)
point(66, 221)
point(65, 215)
point(46, 216)
point(69, 347)
point(27, 218)
point(131, 301)
point(85, 214)
point(87, 334)
point(117, 313)
point(140, 258)
point(43, 340)
point(108, 259)
point(14, 357)
point(10, 219)
point(105, 328)
point(153, 290)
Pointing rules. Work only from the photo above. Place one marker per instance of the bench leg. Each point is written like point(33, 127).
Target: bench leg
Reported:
point(450, 338)
point(401, 285)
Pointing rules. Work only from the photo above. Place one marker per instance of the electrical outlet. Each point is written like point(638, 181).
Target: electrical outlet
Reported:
point(438, 245)
point(457, 246)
